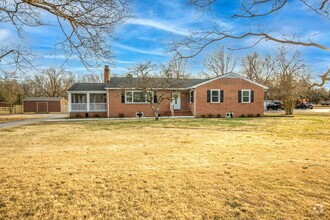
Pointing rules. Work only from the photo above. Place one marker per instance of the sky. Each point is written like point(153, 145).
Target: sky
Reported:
point(156, 23)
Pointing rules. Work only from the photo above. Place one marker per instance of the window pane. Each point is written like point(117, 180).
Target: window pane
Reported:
point(139, 97)
point(129, 97)
point(246, 99)
point(246, 93)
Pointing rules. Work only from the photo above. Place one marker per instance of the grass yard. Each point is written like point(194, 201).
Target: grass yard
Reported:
point(17, 117)
point(245, 168)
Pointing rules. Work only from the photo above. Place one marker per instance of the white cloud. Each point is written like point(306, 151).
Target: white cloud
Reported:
point(168, 26)
point(157, 52)
point(4, 34)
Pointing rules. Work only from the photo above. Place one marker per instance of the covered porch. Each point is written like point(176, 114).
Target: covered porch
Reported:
point(87, 102)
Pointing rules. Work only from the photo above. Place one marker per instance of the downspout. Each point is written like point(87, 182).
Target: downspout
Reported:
point(195, 100)
point(108, 103)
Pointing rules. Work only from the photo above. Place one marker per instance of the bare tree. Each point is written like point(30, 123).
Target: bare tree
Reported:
point(219, 62)
point(53, 82)
point(289, 79)
point(85, 26)
point(91, 78)
point(155, 83)
point(10, 91)
point(198, 41)
point(257, 68)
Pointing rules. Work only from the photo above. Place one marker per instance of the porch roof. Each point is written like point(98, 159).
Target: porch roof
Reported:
point(87, 87)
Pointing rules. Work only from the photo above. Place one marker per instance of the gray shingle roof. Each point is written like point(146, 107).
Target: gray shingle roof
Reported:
point(44, 99)
point(125, 82)
point(87, 87)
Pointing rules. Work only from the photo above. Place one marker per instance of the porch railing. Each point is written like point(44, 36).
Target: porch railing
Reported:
point(78, 106)
point(97, 107)
point(93, 107)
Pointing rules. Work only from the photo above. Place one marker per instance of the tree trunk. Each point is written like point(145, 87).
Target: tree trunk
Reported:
point(288, 105)
point(156, 116)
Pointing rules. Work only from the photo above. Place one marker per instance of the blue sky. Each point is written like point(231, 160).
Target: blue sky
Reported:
point(157, 22)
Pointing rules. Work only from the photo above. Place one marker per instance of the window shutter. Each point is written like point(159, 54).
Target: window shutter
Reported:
point(239, 96)
point(123, 97)
point(252, 96)
point(191, 96)
point(221, 95)
point(155, 97)
point(208, 95)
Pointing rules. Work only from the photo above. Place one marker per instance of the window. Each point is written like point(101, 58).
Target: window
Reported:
point(97, 98)
point(215, 96)
point(79, 98)
point(137, 97)
point(246, 96)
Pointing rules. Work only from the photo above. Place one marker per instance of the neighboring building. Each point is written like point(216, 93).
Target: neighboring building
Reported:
point(228, 95)
point(44, 105)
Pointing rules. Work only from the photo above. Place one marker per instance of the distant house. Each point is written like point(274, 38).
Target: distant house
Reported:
point(229, 95)
point(44, 105)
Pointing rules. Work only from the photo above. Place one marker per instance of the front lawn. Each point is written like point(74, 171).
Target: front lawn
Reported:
point(245, 168)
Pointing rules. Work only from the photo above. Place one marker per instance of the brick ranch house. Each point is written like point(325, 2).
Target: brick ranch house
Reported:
point(229, 95)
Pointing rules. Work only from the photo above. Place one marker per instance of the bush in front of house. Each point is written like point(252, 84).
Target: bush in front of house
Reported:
point(218, 116)
point(203, 116)
point(242, 116)
point(210, 115)
point(121, 115)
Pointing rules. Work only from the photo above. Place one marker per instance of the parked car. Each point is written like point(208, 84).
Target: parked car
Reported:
point(325, 103)
point(275, 106)
point(304, 105)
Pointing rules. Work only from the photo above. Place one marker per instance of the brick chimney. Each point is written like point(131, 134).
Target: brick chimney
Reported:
point(106, 74)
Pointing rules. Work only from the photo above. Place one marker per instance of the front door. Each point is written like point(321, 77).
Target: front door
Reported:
point(176, 100)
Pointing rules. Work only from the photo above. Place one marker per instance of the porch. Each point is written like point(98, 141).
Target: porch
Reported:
point(182, 103)
point(87, 102)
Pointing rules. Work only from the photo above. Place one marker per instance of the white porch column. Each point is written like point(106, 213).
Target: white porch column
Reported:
point(70, 102)
point(88, 102)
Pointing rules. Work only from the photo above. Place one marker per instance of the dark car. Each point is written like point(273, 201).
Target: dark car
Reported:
point(274, 106)
point(304, 105)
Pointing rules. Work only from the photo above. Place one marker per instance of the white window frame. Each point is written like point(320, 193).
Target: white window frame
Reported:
point(242, 95)
point(132, 91)
point(211, 100)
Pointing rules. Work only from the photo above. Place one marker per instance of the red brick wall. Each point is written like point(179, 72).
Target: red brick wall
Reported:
point(230, 104)
point(129, 110)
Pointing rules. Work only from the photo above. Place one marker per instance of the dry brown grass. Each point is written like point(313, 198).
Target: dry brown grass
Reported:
point(260, 168)
point(17, 117)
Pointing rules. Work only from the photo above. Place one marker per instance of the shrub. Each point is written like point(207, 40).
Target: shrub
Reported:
point(121, 115)
point(78, 115)
point(258, 115)
point(242, 116)
point(210, 115)
point(96, 116)
point(202, 116)
point(218, 116)
point(250, 115)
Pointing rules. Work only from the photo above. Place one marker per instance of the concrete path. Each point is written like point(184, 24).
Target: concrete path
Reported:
point(32, 120)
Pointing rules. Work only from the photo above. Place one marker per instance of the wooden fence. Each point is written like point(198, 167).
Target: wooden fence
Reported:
point(15, 110)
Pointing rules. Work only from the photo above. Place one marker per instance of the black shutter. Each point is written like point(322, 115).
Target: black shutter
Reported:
point(221, 95)
point(208, 95)
point(239, 96)
point(155, 97)
point(192, 96)
point(123, 97)
point(252, 96)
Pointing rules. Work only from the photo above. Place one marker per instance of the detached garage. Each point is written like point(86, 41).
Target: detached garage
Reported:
point(44, 105)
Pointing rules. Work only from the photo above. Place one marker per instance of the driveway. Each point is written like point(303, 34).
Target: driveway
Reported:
point(32, 120)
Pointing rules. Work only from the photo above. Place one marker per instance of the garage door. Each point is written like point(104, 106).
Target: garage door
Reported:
point(42, 107)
